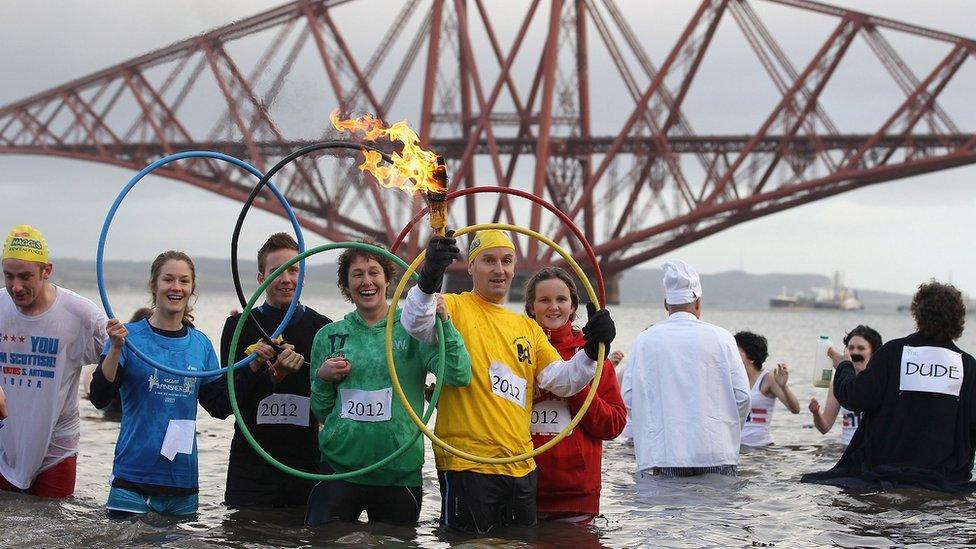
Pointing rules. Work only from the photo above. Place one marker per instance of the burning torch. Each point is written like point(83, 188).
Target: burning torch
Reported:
point(413, 168)
point(437, 199)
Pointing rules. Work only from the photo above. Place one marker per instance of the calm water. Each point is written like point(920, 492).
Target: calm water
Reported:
point(766, 506)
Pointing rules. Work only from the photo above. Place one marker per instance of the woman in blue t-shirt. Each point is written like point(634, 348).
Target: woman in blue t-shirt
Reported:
point(155, 466)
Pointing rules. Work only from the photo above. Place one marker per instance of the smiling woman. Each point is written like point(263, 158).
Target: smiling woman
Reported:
point(353, 398)
point(364, 279)
point(155, 466)
point(570, 473)
point(172, 282)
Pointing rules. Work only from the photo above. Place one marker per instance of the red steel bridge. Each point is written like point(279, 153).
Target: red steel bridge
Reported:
point(577, 101)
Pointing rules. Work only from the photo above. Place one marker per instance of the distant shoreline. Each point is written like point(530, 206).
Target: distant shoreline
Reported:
point(727, 290)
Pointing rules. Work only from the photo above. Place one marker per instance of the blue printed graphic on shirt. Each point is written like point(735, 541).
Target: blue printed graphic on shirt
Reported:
point(151, 398)
point(28, 369)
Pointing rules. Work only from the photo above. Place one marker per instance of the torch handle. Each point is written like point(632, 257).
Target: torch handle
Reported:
point(438, 206)
point(438, 217)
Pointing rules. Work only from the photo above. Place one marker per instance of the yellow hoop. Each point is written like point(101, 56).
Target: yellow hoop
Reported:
point(391, 364)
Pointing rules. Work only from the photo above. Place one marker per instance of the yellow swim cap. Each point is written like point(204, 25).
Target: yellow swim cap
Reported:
point(491, 238)
point(25, 243)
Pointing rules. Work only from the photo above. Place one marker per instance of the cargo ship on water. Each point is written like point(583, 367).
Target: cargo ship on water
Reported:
point(837, 297)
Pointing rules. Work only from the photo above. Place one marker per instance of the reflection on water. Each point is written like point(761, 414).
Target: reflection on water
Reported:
point(766, 506)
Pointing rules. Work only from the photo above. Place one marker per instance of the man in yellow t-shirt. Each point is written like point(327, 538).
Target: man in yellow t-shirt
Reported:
point(510, 358)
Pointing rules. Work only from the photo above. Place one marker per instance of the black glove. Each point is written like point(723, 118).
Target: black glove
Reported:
point(441, 252)
point(599, 329)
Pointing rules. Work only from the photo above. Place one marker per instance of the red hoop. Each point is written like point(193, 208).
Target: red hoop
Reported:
point(529, 196)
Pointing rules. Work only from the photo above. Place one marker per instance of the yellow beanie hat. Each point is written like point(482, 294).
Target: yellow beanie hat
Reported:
point(25, 243)
point(491, 238)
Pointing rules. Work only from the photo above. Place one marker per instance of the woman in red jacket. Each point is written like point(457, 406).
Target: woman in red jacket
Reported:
point(569, 473)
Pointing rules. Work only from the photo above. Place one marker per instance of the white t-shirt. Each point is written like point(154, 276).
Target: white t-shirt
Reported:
point(40, 363)
point(756, 430)
point(687, 394)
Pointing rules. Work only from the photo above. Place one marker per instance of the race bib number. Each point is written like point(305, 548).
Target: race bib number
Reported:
point(506, 384)
point(359, 405)
point(550, 417)
point(931, 370)
point(179, 438)
point(283, 409)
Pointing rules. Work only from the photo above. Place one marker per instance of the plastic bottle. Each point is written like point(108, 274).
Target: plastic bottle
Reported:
point(823, 366)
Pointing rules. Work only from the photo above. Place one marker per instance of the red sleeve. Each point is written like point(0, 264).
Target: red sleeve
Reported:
point(607, 414)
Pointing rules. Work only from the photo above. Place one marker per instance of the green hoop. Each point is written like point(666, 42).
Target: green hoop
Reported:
point(410, 411)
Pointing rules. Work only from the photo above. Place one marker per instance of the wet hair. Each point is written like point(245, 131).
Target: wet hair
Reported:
point(868, 333)
point(141, 313)
point(939, 311)
point(157, 265)
point(754, 346)
point(350, 255)
point(550, 273)
point(275, 242)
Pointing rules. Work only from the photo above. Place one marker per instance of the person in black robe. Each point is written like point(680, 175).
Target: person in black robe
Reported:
point(918, 399)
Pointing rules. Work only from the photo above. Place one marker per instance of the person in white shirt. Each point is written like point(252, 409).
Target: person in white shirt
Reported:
point(47, 334)
point(685, 388)
point(767, 387)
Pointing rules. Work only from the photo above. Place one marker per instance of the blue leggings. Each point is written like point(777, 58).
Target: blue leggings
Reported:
point(129, 501)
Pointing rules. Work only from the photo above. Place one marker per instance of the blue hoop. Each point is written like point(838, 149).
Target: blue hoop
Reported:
point(99, 257)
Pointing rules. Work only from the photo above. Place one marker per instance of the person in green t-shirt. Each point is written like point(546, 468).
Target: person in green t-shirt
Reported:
point(353, 397)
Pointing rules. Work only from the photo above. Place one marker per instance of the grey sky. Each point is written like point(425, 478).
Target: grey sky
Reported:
point(889, 236)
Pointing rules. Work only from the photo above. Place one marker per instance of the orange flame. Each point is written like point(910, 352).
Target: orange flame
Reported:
point(413, 168)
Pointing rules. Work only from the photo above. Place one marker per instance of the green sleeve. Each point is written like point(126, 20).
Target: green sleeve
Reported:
point(457, 363)
point(323, 393)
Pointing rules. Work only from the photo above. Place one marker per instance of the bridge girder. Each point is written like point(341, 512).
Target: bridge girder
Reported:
point(657, 183)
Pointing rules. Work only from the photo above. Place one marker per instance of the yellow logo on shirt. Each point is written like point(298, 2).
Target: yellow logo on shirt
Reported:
point(523, 349)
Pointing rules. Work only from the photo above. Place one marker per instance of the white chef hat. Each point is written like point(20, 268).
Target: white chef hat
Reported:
point(681, 283)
